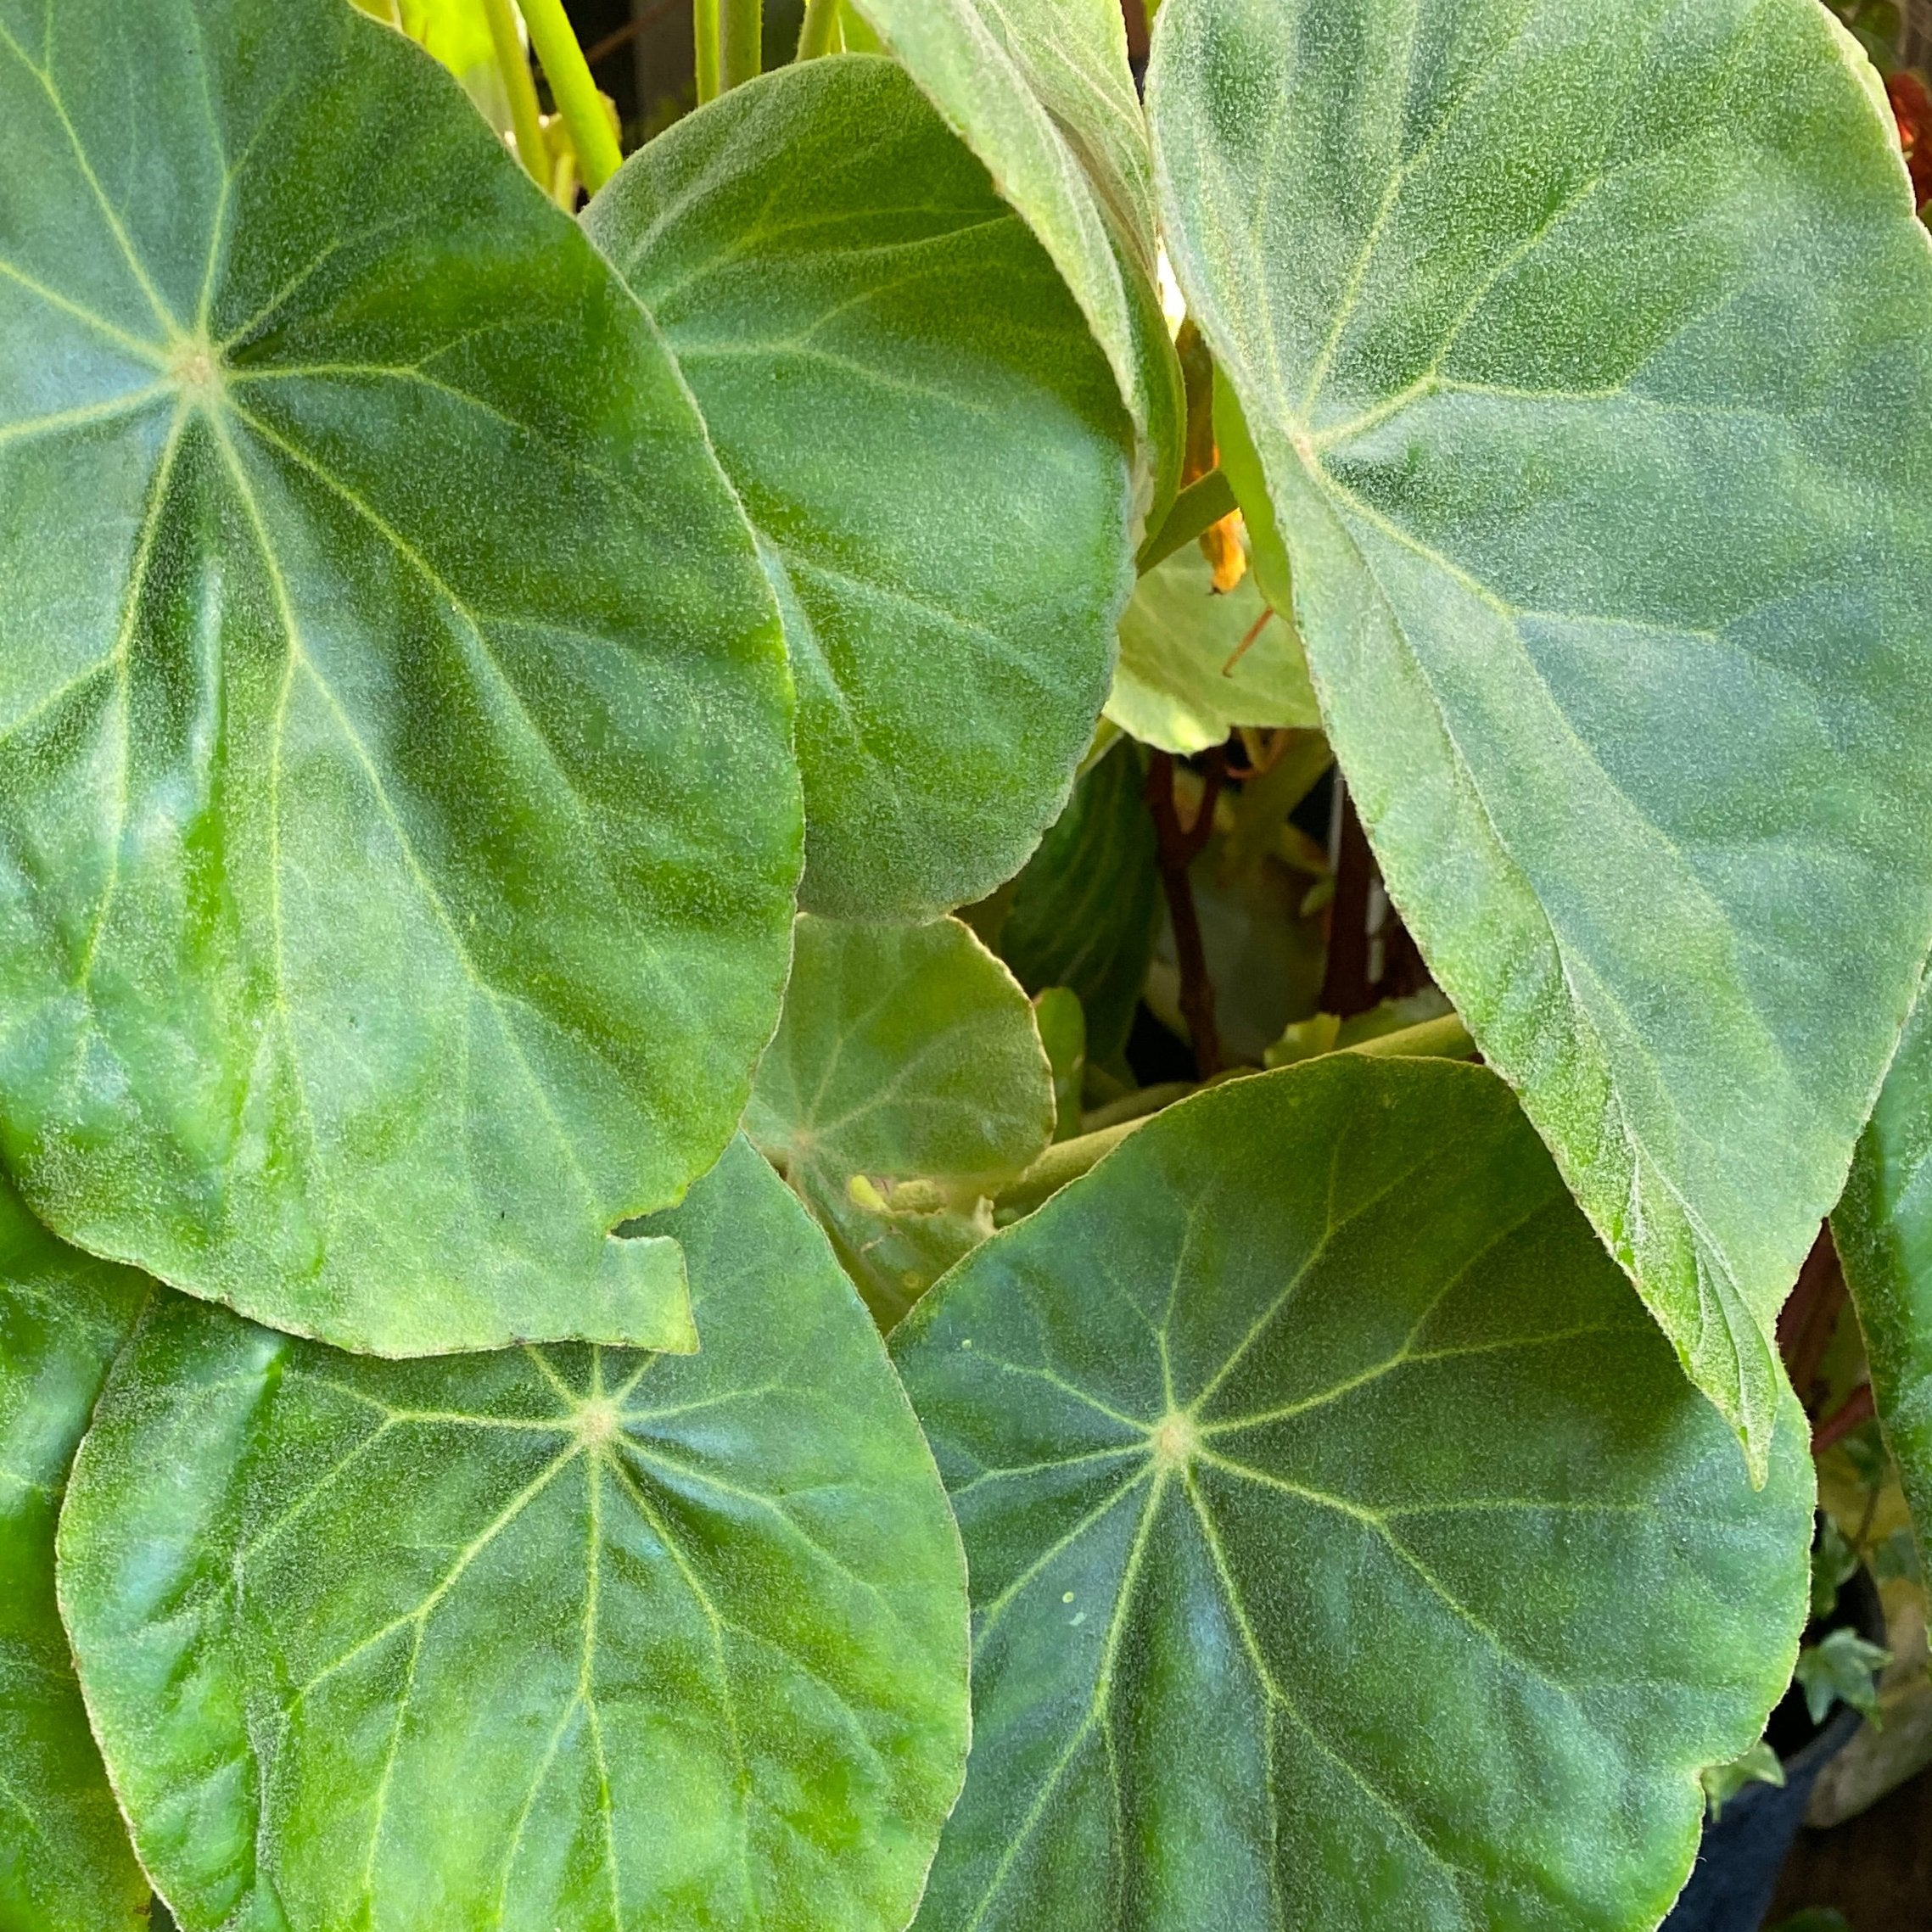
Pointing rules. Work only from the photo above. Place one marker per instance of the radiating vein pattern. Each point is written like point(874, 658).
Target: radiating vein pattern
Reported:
point(380, 628)
point(561, 1639)
point(930, 446)
point(1580, 346)
point(1302, 1452)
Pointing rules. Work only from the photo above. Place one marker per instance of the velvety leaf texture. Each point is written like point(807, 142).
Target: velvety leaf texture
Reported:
point(1085, 908)
point(65, 1864)
point(1587, 351)
point(929, 445)
point(1346, 1549)
point(380, 638)
point(1883, 1228)
point(1043, 95)
point(552, 1640)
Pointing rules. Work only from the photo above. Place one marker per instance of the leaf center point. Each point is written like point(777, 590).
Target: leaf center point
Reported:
point(1174, 1440)
point(196, 366)
point(598, 1423)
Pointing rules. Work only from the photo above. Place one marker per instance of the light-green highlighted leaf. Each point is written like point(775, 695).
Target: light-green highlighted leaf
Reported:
point(1194, 664)
point(1085, 908)
point(1346, 1549)
point(380, 639)
point(1588, 353)
point(929, 446)
point(1883, 1228)
point(65, 1864)
point(1041, 93)
point(905, 1052)
point(558, 1640)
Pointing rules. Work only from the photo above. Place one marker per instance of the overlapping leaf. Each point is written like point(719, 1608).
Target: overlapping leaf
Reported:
point(1588, 352)
point(1346, 1549)
point(1043, 95)
point(65, 1864)
point(1084, 910)
point(929, 446)
point(564, 1640)
point(905, 1052)
point(1883, 1231)
point(1194, 664)
point(381, 640)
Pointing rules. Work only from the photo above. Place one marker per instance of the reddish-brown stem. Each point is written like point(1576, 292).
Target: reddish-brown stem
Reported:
point(1809, 1318)
point(1856, 1409)
point(1135, 13)
point(1346, 990)
point(1178, 848)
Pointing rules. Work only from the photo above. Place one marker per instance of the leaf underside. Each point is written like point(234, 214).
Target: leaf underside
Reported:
point(1586, 352)
point(65, 1864)
point(552, 1640)
point(363, 549)
point(1346, 1549)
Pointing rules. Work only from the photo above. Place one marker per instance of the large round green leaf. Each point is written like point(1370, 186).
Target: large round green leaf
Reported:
point(1587, 350)
point(65, 1864)
point(1041, 93)
point(1346, 1549)
point(1883, 1231)
point(545, 1641)
point(929, 446)
point(397, 820)
point(906, 1053)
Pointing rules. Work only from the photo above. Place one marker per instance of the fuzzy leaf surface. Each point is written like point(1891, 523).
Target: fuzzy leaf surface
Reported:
point(929, 446)
point(380, 638)
point(1587, 354)
point(65, 1864)
point(1346, 1547)
point(556, 1640)
point(1043, 94)
point(1883, 1228)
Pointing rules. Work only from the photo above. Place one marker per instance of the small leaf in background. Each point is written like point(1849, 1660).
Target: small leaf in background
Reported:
point(553, 1640)
point(1295, 1603)
point(1043, 96)
point(364, 547)
point(65, 1864)
point(1833, 1563)
point(1063, 1033)
point(1842, 1667)
point(1083, 911)
point(1195, 662)
point(1584, 353)
point(929, 446)
point(906, 1054)
point(1882, 1229)
point(1759, 1765)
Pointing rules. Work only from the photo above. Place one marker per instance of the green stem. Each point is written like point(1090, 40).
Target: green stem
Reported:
point(740, 41)
point(526, 120)
point(704, 32)
point(574, 92)
point(820, 28)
